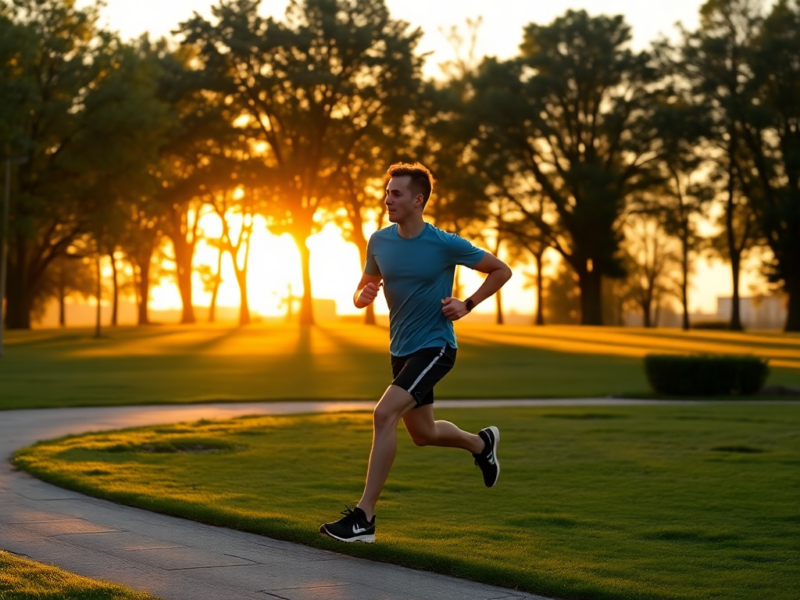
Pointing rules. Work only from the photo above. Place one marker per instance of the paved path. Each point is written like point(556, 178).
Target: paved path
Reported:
point(183, 560)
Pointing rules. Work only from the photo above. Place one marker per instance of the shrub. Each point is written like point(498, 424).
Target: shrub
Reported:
point(705, 375)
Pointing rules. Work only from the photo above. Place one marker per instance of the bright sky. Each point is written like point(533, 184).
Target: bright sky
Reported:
point(335, 268)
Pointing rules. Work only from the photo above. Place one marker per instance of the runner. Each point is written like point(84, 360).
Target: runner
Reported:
point(415, 262)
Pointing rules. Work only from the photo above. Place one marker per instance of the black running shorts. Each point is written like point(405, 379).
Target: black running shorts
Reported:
point(419, 371)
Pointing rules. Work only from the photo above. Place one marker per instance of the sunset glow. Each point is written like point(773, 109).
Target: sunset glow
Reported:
point(275, 271)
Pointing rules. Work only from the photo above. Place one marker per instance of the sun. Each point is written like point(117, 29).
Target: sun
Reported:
point(274, 271)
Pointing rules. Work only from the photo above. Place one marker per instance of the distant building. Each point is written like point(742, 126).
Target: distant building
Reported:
point(757, 312)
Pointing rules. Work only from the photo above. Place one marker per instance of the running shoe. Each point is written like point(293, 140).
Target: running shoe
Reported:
point(353, 527)
point(487, 460)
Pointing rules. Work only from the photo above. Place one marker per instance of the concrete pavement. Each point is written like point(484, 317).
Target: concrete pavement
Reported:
point(179, 559)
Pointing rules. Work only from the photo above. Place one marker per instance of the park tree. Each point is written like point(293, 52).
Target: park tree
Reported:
point(651, 264)
point(89, 125)
point(194, 159)
point(562, 304)
point(513, 202)
point(312, 85)
point(359, 189)
point(68, 276)
point(237, 208)
point(771, 136)
point(574, 106)
point(716, 62)
point(683, 198)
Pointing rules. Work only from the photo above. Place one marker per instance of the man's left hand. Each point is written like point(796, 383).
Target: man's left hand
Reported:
point(454, 309)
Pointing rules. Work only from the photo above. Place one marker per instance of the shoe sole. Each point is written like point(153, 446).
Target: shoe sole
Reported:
point(496, 432)
point(367, 539)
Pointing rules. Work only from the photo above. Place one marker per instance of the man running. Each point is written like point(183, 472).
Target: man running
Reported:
point(415, 262)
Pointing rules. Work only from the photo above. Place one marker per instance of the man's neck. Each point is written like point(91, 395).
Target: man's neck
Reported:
point(411, 228)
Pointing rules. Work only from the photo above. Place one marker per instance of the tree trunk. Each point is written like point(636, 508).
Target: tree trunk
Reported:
point(98, 292)
point(498, 297)
point(244, 307)
point(793, 305)
point(184, 239)
point(458, 291)
point(539, 290)
point(733, 252)
point(646, 306)
point(62, 294)
point(212, 307)
point(183, 256)
point(115, 299)
point(736, 321)
point(685, 277)
point(498, 303)
point(306, 306)
point(241, 277)
point(18, 288)
point(361, 242)
point(591, 297)
point(143, 259)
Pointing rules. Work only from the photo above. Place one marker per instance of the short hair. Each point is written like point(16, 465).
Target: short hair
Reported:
point(421, 178)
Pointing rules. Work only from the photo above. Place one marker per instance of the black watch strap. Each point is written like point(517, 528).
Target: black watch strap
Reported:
point(469, 304)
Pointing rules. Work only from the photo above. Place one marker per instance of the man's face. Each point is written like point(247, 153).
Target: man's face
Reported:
point(400, 200)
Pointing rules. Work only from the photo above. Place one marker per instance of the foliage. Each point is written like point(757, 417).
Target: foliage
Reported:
point(554, 148)
point(771, 133)
point(700, 375)
point(90, 125)
point(311, 87)
point(574, 108)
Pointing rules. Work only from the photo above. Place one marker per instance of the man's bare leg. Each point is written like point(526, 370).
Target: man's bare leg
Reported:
point(427, 432)
point(394, 403)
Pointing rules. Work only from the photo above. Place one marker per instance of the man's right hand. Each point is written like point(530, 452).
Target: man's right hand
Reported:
point(368, 294)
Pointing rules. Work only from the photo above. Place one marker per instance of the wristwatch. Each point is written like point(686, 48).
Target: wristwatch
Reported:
point(469, 304)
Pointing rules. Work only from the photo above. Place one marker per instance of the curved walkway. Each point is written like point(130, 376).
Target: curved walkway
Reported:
point(183, 560)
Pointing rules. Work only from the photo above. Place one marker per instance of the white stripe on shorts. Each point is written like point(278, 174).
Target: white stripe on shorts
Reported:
point(428, 368)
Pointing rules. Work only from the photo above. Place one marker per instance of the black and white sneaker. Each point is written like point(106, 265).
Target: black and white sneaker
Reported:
point(487, 460)
point(353, 527)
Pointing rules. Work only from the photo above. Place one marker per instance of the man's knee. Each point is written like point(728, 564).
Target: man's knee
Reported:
point(383, 417)
point(422, 438)
point(390, 409)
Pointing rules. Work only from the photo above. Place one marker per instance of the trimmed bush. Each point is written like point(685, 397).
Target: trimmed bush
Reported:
point(705, 375)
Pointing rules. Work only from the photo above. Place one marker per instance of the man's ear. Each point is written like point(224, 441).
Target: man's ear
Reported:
point(419, 199)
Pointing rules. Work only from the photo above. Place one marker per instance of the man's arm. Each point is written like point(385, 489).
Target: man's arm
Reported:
point(498, 273)
point(367, 290)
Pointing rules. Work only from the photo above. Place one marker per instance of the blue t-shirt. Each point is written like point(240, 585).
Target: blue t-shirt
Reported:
point(417, 274)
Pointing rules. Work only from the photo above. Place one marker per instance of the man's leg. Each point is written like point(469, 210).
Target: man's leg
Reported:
point(427, 432)
point(394, 403)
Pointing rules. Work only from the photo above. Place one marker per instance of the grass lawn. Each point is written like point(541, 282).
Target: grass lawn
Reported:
point(23, 579)
point(651, 502)
point(174, 364)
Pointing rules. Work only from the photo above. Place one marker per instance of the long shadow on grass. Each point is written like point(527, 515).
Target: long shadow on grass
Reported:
point(599, 343)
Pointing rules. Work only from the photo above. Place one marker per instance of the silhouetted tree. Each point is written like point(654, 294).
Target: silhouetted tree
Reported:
point(89, 127)
point(312, 85)
point(715, 60)
point(771, 134)
point(574, 107)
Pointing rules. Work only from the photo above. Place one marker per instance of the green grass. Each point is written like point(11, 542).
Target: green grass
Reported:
point(652, 502)
point(173, 364)
point(23, 579)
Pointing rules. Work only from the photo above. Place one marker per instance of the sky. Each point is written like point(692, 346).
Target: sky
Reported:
point(500, 32)
point(499, 35)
